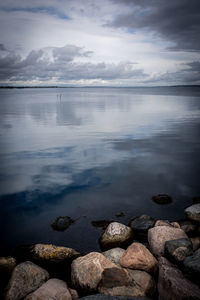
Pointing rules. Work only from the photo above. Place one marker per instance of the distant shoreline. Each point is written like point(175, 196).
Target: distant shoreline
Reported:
point(117, 87)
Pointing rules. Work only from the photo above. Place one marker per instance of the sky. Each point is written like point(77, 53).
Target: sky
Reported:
point(99, 43)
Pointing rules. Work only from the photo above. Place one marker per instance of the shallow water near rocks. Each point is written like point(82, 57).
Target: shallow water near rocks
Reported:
point(91, 153)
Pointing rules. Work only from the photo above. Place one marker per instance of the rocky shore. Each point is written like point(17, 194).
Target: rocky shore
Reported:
point(148, 259)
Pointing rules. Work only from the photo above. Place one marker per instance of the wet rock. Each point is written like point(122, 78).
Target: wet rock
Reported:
point(173, 285)
point(51, 290)
point(87, 271)
point(101, 223)
point(140, 226)
point(52, 253)
point(157, 236)
point(114, 255)
point(138, 257)
point(26, 278)
point(195, 242)
point(62, 223)
point(162, 199)
point(192, 265)
point(116, 235)
point(107, 297)
point(74, 294)
point(166, 223)
point(187, 226)
point(7, 265)
point(178, 250)
point(193, 212)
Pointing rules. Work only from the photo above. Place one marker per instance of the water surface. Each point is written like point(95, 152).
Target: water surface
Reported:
point(90, 153)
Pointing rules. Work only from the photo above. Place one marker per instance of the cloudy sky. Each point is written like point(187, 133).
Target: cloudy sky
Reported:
point(99, 43)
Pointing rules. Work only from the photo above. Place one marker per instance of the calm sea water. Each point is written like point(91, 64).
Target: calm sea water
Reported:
point(90, 153)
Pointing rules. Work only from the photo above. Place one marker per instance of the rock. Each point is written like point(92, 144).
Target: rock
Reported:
point(62, 223)
point(166, 223)
point(51, 290)
point(195, 242)
point(114, 255)
point(187, 226)
point(7, 265)
point(26, 278)
point(101, 223)
point(177, 250)
point(144, 280)
point(137, 256)
point(74, 294)
point(157, 236)
point(106, 297)
point(120, 214)
point(193, 212)
point(192, 266)
point(173, 285)
point(140, 226)
point(52, 253)
point(87, 271)
point(162, 199)
point(116, 235)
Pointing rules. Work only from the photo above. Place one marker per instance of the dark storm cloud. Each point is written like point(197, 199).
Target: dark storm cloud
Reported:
point(2, 47)
point(176, 21)
point(61, 63)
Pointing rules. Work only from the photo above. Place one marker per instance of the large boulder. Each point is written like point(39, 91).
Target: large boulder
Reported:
point(114, 255)
point(26, 278)
point(157, 236)
point(51, 290)
point(116, 235)
point(172, 285)
point(193, 212)
point(87, 271)
point(178, 250)
point(192, 266)
point(122, 282)
point(138, 257)
point(140, 226)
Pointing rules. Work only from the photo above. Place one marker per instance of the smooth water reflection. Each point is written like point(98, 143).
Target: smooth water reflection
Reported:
point(91, 153)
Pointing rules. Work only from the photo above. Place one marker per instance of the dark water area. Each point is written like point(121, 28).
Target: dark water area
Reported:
point(91, 153)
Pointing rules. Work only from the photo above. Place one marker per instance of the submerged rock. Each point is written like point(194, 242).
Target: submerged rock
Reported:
point(162, 199)
point(51, 290)
point(114, 255)
point(87, 271)
point(193, 212)
point(138, 257)
point(173, 285)
point(120, 214)
point(140, 226)
point(178, 250)
point(101, 223)
point(157, 236)
point(62, 223)
point(116, 235)
point(26, 278)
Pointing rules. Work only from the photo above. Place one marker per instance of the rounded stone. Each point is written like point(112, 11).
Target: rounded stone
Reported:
point(193, 212)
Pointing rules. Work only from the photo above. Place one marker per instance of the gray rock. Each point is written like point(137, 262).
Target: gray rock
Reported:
point(140, 226)
point(178, 250)
point(157, 236)
point(187, 226)
point(193, 212)
point(192, 265)
point(26, 278)
point(114, 255)
point(166, 223)
point(172, 285)
point(107, 297)
point(116, 235)
point(51, 290)
point(162, 199)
